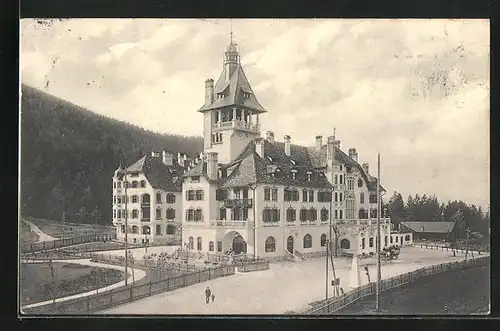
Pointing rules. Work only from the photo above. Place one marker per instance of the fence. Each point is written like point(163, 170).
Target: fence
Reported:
point(472, 250)
point(123, 295)
point(58, 243)
point(252, 265)
point(338, 303)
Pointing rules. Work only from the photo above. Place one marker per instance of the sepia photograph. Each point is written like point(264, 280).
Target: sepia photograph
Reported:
point(295, 167)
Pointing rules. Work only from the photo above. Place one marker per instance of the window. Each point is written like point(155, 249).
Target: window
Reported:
point(134, 184)
point(361, 213)
point(170, 229)
point(237, 193)
point(371, 241)
point(158, 230)
point(308, 176)
point(323, 240)
point(135, 229)
point(210, 246)
point(324, 215)
point(373, 213)
point(191, 243)
point(114, 198)
point(373, 198)
point(340, 179)
point(143, 183)
point(360, 182)
point(135, 213)
point(119, 199)
point(270, 245)
point(158, 214)
point(114, 213)
point(391, 239)
point(190, 195)
point(304, 195)
point(198, 215)
point(303, 215)
point(397, 239)
point(114, 184)
point(170, 214)
point(122, 229)
point(170, 198)
point(198, 243)
point(199, 195)
point(407, 237)
point(340, 214)
point(245, 193)
point(222, 213)
point(119, 185)
point(274, 194)
point(195, 179)
point(220, 195)
point(307, 241)
point(291, 215)
point(336, 179)
point(190, 215)
point(135, 240)
point(135, 199)
point(146, 230)
point(385, 241)
point(291, 195)
point(361, 197)
point(313, 214)
point(119, 213)
point(219, 246)
point(294, 174)
point(363, 243)
point(270, 215)
point(324, 196)
point(340, 197)
point(336, 214)
point(350, 184)
point(349, 208)
point(267, 194)
point(146, 199)
point(336, 197)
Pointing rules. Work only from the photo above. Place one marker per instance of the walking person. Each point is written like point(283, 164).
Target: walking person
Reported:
point(208, 293)
point(213, 297)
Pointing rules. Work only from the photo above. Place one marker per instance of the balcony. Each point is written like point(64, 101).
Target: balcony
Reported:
point(236, 125)
point(145, 219)
point(372, 221)
point(230, 203)
point(229, 224)
point(145, 204)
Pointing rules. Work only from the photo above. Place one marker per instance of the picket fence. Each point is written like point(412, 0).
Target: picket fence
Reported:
point(108, 299)
point(335, 304)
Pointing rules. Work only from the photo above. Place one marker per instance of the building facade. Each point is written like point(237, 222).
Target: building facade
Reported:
point(148, 194)
point(262, 197)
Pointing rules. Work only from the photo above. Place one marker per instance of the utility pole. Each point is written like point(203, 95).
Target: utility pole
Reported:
point(326, 270)
point(63, 221)
point(379, 276)
point(467, 232)
point(126, 228)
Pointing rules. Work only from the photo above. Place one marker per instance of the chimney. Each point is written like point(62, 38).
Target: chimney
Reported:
point(330, 150)
point(212, 165)
point(287, 145)
point(180, 160)
point(168, 158)
point(319, 142)
point(366, 168)
point(259, 147)
point(209, 91)
point(353, 154)
point(270, 136)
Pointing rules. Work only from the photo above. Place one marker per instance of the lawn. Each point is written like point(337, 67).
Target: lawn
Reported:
point(36, 280)
point(457, 292)
point(54, 229)
point(26, 235)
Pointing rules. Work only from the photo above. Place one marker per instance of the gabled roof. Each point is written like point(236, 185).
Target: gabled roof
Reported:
point(159, 175)
point(236, 84)
point(319, 160)
point(429, 227)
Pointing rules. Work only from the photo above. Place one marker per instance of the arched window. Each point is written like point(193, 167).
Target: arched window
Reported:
point(143, 183)
point(158, 214)
point(134, 184)
point(371, 241)
point(323, 240)
point(324, 215)
point(363, 243)
point(313, 214)
point(158, 197)
point(135, 229)
point(170, 229)
point(211, 246)
point(198, 243)
point(146, 230)
point(191, 243)
point(291, 215)
point(135, 199)
point(158, 230)
point(270, 245)
point(385, 241)
point(170, 214)
point(307, 241)
point(345, 244)
point(361, 197)
point(170, 198)
point(146, 199)
point(135, 213)
point(360, 182)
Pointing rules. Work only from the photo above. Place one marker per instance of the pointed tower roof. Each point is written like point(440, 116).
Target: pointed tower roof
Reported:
point(234, 84)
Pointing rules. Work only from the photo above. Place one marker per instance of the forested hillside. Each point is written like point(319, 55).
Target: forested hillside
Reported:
point(68, 155)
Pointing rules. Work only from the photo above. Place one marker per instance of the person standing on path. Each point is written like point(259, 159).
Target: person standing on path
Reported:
point(208, 293)
point(213, 297)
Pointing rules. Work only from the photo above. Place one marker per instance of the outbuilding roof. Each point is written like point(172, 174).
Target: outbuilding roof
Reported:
point(429, 226)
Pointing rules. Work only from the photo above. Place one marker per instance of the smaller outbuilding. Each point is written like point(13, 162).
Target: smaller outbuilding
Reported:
point(429, 230)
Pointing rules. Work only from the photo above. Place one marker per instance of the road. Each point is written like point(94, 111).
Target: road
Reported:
point(41, 235)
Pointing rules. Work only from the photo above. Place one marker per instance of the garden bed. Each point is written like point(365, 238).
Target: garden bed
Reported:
point(37, 283)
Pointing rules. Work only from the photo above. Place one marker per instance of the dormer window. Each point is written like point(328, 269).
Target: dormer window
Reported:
point(246, 95)
point(294, 174)
point(195, 179)
point(309, 176)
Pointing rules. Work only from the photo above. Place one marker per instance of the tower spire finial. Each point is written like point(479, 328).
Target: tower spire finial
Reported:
point(334, 132)
point(231, 30)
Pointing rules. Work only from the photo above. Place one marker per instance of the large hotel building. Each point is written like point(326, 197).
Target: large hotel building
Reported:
point(248, 193)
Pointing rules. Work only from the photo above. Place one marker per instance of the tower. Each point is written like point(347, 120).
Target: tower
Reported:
point(231, 110)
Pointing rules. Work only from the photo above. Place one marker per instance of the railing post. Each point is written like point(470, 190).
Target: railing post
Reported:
point(131, 293)
point(209, 274)
point(150, 288)
point(88, 305)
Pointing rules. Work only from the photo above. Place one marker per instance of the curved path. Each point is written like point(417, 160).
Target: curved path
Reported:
point(42, 236)
point(138, 275)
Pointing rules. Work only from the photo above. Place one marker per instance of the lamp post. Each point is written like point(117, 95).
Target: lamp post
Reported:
point(146, 232)
point(126, 226)
point(253, 186)
point(377, 306)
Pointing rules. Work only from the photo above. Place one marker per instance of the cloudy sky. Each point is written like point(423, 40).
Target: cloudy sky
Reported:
point(417, 91)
